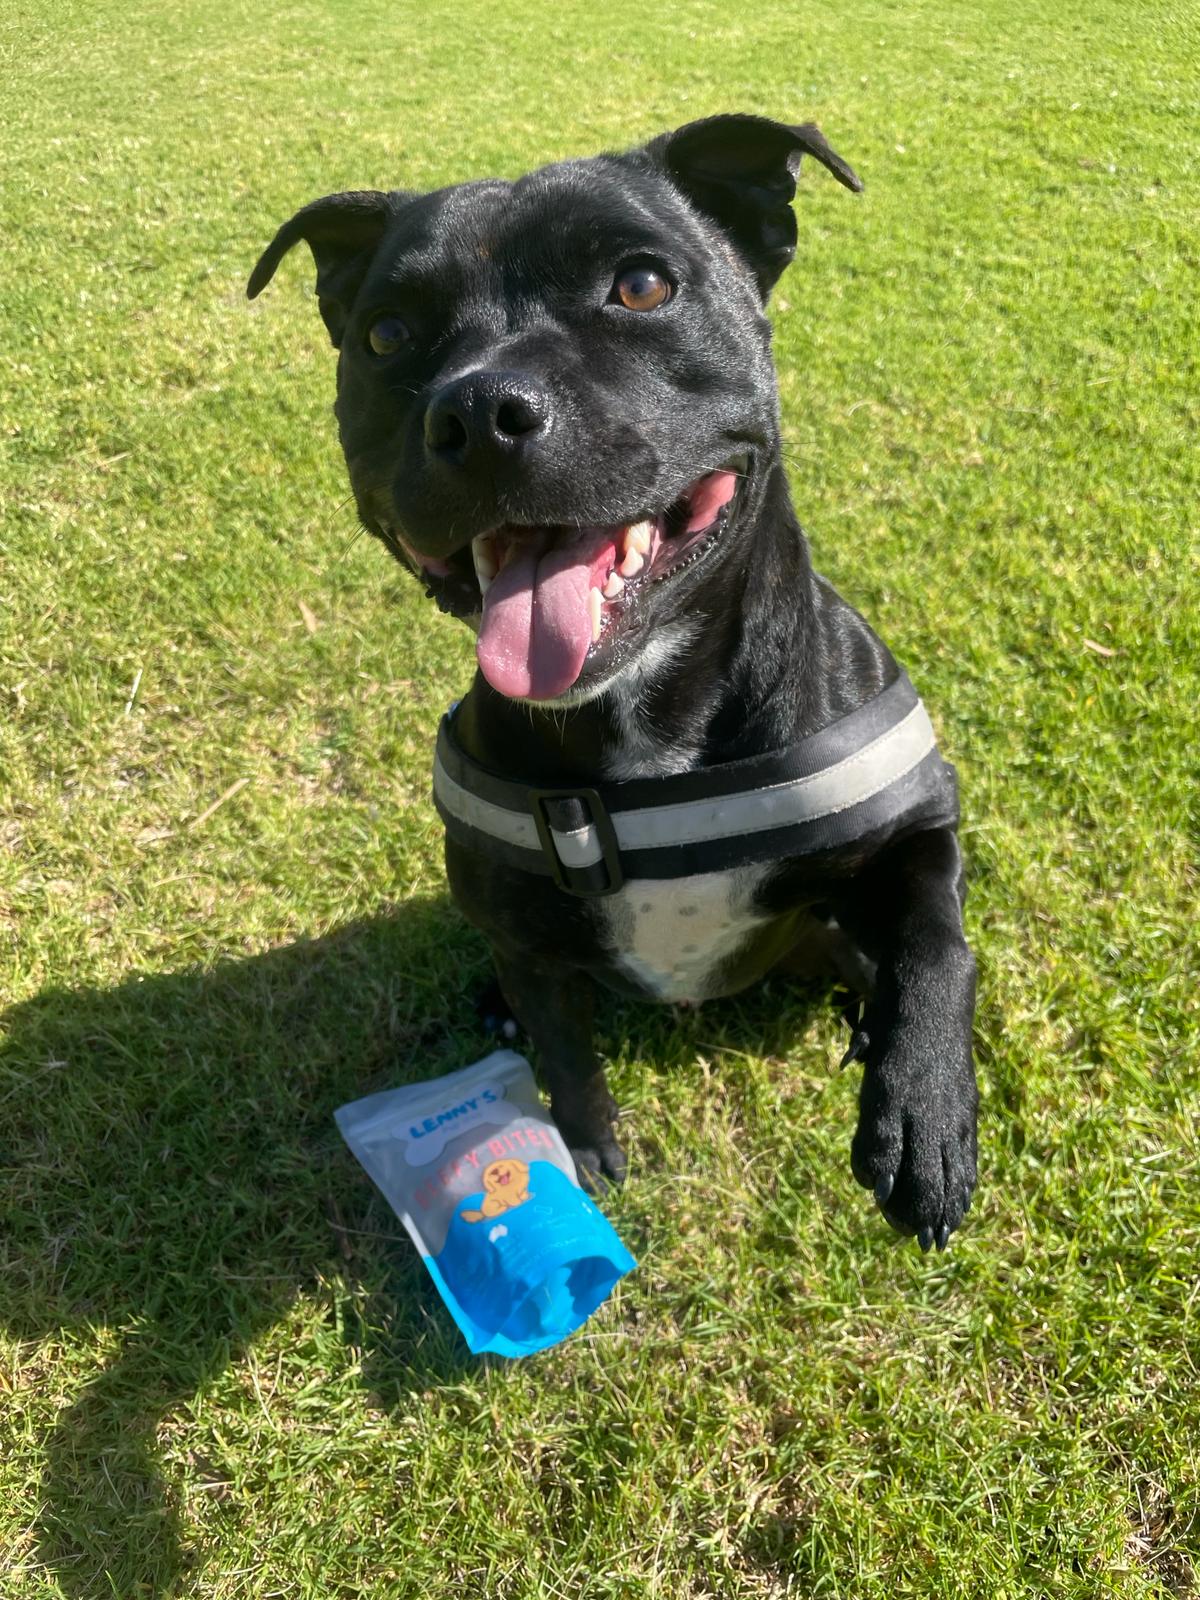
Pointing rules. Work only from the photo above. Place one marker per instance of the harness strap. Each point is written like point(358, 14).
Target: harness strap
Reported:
point(875, 767)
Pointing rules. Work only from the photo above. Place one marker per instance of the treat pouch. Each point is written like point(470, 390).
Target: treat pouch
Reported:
point(479, 1175)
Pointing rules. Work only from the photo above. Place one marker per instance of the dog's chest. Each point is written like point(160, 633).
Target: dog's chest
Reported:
point(676, 938)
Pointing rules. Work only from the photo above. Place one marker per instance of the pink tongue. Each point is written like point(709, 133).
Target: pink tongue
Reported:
point(537, 625)
point(707, 497)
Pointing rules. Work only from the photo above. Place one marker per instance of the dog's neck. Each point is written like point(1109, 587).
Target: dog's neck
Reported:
point(753, 667)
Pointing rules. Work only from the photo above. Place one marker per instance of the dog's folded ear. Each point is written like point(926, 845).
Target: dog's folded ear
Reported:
point(343, 231)
point(741, 172)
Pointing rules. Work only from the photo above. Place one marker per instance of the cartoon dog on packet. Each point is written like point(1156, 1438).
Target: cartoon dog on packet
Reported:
point(507, 1185)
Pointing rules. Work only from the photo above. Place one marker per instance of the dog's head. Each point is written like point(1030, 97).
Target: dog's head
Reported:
point(555, 395)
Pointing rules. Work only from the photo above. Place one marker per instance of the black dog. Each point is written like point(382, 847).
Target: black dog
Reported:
point(558, 408)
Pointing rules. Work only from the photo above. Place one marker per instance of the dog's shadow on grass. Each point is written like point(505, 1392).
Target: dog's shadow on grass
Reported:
point(174, 1179)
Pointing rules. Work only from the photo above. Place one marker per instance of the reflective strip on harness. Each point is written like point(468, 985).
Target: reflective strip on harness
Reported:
point(783, 805)
point(576, 847)
point(510, 827)
point(877, 767)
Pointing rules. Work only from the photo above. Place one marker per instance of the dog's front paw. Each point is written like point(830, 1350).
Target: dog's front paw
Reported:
point(599, 1162)
point(585, 1114)
point(915, 1146)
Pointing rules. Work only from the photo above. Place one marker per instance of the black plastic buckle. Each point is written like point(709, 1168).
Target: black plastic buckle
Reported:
point(575, 880)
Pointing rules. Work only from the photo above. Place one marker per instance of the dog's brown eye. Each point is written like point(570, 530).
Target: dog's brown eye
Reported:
point(641, 289)
point(387, 335)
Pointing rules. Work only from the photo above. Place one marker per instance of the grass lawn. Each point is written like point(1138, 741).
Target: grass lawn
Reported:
point(223, 1372)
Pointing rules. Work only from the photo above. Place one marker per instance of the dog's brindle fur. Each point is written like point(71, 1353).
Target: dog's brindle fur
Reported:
point(498, 295)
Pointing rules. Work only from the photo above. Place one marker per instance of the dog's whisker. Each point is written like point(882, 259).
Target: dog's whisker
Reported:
point(345, 550)
point(337, 510)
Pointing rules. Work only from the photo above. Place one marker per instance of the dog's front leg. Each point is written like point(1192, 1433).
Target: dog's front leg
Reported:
point(915, 1146)
point(554, 1006)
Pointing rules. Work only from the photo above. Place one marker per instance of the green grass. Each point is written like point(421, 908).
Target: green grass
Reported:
point(224, 1373)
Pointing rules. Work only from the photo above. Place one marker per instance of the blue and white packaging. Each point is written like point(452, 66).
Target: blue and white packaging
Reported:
point(480, 1177)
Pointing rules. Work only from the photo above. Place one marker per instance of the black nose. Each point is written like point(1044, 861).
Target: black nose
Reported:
point(485, 414)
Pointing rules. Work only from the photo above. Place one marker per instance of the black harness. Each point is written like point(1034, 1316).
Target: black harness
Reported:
point(876, 768)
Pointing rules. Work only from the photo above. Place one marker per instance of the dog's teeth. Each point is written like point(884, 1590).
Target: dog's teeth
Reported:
point(595, 605)
point(614, 586)
point(640, 537)
point(632, 564)
point(483, 552)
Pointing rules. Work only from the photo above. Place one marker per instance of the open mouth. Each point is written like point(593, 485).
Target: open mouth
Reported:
point(555, 598)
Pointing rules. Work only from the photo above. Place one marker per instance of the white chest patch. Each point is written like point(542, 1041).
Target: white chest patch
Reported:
point(673, 936)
